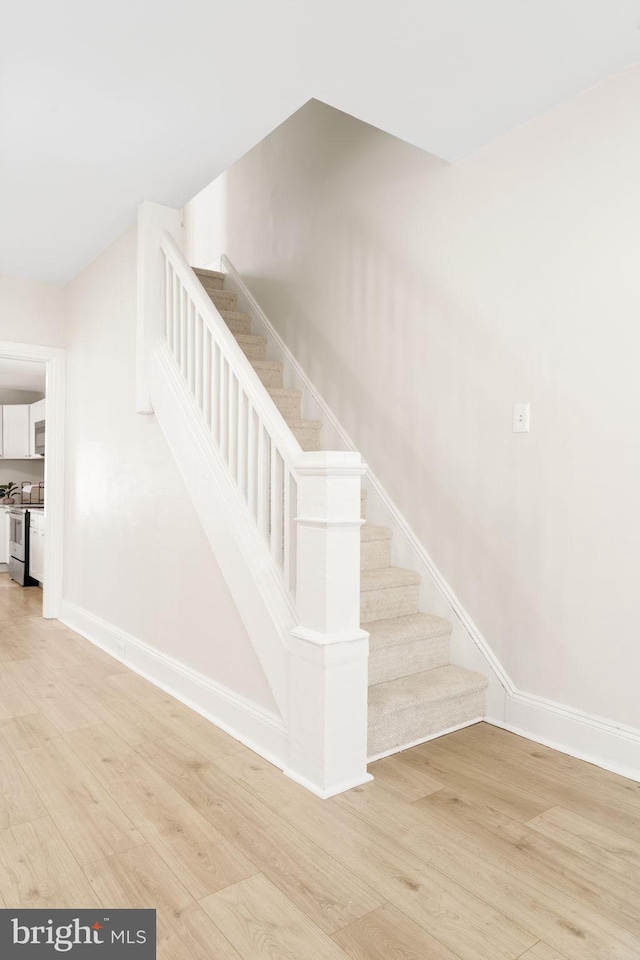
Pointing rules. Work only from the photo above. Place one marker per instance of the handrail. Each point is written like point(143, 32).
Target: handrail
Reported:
point(249, 432)
point(209, 312)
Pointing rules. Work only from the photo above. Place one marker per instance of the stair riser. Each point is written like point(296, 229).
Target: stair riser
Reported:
point(387, 731)
point(289, 407)
point(254, 351)
point(238, 326)
point(270, 376)
point(375, 554)
point(403, 659)
point(224, 300)
point(212, 283)
point(392, 602)
point(308, 438)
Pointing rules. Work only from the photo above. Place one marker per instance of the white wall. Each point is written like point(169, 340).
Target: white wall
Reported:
point(135, 553)
point(18, 470)
point(424, 300)
point(32, 312)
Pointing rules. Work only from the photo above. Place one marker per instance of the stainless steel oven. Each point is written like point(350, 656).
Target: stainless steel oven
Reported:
point(19, 546)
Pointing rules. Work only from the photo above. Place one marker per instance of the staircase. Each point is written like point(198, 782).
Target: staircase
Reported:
point(414, 691)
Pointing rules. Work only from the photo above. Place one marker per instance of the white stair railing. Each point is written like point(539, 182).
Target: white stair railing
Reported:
point(250, 434)
point(299, 511)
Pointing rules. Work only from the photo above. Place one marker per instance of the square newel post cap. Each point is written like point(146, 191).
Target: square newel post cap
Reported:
point(330, 463)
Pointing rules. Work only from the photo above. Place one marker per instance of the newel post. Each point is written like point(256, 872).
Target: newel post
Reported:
point(153, 219)
point(329, 651)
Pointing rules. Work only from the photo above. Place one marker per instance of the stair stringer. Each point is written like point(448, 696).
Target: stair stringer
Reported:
point(469, 648)
point(258, 592)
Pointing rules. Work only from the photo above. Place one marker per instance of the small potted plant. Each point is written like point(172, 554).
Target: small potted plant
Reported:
point(7, 491)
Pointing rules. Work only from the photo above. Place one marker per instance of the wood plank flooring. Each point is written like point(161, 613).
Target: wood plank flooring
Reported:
point(477, 846)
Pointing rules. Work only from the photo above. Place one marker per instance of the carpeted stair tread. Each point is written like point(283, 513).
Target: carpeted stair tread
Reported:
point(386, 578)
point(269, 371)
point(287, 401)
point(368, 532)
point(250, 338)
point(375, 547)
point(223, 298)
point(278, 392)
point(237, 321)
point(253, 346)
point(306, 432)
point(212, 274)
point(432, 686)
point(388, 592)
point(422, 705)
point(234, 315)
point(401, 630)
point(298, 424)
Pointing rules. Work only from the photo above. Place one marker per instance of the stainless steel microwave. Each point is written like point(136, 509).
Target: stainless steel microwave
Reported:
point(38, 445)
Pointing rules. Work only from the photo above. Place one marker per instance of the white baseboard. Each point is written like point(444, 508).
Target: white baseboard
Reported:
point(257, 728)
point(327, 794)
point(605, 743)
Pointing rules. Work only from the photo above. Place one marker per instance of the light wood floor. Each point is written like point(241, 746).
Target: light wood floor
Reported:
point(480, 846)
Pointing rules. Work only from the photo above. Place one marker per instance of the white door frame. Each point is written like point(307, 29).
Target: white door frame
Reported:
point(54, 358)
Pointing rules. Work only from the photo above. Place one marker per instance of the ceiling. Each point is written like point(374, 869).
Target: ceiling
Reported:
point(22, 375)
point(103, 105)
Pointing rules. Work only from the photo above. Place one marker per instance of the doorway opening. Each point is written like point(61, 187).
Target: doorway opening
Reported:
point(31, 475)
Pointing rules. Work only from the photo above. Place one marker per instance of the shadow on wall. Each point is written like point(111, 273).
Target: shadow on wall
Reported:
point(389, 309)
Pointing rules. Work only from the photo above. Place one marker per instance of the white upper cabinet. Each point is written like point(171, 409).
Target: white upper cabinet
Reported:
point(37, 413)
point(18, 430)
point(15, 431)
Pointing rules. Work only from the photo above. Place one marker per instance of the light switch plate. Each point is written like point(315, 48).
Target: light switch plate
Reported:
point(521, 418)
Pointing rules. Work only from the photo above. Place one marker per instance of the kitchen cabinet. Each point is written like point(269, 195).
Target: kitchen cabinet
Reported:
point(36, 545)
point(15, 431)
point(4, 536)
point(18, 430)
point(37, 412)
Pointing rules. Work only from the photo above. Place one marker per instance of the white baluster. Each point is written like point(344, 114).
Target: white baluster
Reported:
point(176, 309)
point(286, 535)
point(224, 408)
point(262, 482)
point(293, 535)
point(206, 376)
point(243, 429)
point(251, 460)
point(275, 528)
point(198, 358)
point(170, 308)
point(167, 300)
point(215, 391)
point(191, 321)
point(232, 437)
point(184, 307)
